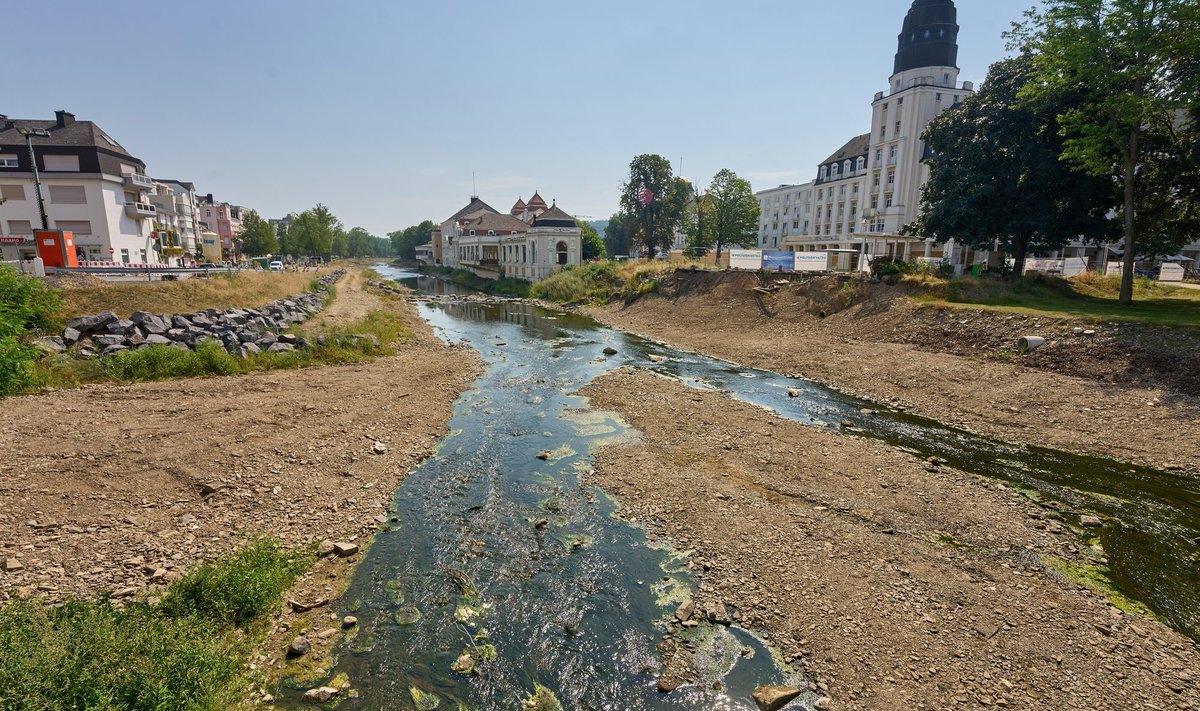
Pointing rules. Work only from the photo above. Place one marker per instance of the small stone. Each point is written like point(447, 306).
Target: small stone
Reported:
point(12, 565)
point(685, 611)
point(719, 614)
point(345, 550)
point(772, 698)
point(544, 456)
point(610, 351)
point(793, 392)
point(349, 621)
point(299, 647)
point(1091, 522)
point(320, 695)
point(464, 665)
point(325, 548)
point(379, 448)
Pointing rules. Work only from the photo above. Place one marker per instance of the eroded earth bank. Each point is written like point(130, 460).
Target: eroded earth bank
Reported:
point(897, 582)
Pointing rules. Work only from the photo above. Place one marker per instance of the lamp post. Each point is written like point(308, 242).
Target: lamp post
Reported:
point(29, 134)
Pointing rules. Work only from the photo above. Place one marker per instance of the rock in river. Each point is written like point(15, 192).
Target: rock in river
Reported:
point(771, 698)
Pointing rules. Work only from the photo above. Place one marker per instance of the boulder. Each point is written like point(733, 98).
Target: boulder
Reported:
point(12, 565)
point(92, 324)
point(155, 339)
point(1091, 521)
point(121, 327)
point(719, 614)
point(180, 322)
point(51, 344)
point(298, 647)
point(320, 695)
point(772, 698)
point(108, 339)
point(70, 335)
point(610, 351)
point(345, 550)
point(280, 348)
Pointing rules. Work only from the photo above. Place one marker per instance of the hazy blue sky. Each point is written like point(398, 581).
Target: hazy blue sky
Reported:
point(382, 109)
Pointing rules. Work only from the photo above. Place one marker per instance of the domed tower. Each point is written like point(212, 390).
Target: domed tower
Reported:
point(929, 37)
point(518, 209)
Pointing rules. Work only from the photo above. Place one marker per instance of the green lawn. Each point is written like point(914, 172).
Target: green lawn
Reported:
point(1088, 297)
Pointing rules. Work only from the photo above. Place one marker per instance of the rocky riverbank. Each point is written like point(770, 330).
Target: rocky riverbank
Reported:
point(242, 332)
point(896, 582)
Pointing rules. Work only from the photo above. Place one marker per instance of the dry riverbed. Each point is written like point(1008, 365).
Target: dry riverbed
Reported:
point(865, 350)
point(900, 584)
point(121, 489)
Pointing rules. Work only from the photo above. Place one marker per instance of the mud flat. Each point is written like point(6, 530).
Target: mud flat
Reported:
point(897, 582)
point(948, 365)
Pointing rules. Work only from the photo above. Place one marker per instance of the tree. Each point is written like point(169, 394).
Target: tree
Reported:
point(735, 212)
point(1129, 57)
point(257, 236)
point(593, 246)
point(616, 235)
point(406, 241)
point(654, 199)
point(698, 226)
point(313, 231)
point(287, 243)
point(996, 173)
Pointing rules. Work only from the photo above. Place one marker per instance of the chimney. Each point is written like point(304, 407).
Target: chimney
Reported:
point(64, 118)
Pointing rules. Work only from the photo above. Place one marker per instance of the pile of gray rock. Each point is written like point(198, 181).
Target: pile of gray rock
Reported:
point(242, 332)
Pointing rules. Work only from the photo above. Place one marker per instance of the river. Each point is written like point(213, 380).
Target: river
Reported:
point(497, 556)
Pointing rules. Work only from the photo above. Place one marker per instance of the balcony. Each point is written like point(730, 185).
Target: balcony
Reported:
point(139, 182)
point(140, 210)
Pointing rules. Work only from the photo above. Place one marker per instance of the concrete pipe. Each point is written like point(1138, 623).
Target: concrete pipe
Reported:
point(1029, 344)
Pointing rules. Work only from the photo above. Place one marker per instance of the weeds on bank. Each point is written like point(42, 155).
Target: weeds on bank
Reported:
point(600, 282)
point(27, 309)
point(504, 286)
point(188, 652)
point(1097, 579)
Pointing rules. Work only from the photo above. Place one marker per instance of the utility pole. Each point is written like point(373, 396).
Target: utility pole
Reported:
point(29, 133)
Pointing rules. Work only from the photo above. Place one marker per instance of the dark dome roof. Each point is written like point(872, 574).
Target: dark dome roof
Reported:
point(930, 36)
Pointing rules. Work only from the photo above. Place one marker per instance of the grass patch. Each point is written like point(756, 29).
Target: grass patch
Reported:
point(219, 291)
point(505, 286)
point(27, 308)
point(187, 653)
point(1089, 296)
point(600, 282)
point(1098, 579)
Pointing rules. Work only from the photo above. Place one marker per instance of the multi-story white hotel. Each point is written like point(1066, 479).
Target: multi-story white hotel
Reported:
point(531, 242)
point(867, 190)
point(91, 186)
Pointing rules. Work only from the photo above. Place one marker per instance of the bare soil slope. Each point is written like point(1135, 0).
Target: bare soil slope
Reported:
point(901, 585)
point(955, 365)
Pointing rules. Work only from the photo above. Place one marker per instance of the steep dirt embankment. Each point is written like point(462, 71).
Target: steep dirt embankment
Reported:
point(1100, 394)
point(898, 583)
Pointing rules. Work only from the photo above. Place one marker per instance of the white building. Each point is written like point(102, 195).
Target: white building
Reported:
point(867, 190)
point(531, 242)
point(91, 185)
point(176, 204)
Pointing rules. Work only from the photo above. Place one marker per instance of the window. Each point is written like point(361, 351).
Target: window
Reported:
point(125, 256)
point(862, 162)
point(61, 164)
point(888, 200)
point(875, 203)
point(937, 96)
point(821, 194)
point(900, 101)
point(891, 177)
point(20, 227)
point(8, 160)
point(78, 227)
point(67, 195)
point(878, 156)
point(897, 133)
point(877, 180)
point(12, 192)
point(561, 250)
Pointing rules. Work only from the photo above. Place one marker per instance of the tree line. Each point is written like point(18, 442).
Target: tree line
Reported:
point(1090, 132)
point(657, 206)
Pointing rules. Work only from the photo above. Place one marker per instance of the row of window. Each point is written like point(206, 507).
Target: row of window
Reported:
point(50, 163)
point(25, 227)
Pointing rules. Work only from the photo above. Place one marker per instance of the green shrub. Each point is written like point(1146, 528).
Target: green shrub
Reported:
point(563, 287)
point(26, 304)
point(161, 362)
point(509, 286)
point(16, 365)
point(235, 591)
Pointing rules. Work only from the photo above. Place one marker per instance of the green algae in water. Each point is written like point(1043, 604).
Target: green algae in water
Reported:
point(1097, 579)
point(423, 700)
point(542, 699)
point(394, 594)
point(408, 616)
point(366, 645)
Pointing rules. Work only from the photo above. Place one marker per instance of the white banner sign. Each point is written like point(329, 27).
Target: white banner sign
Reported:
point(745, 259)
point(1074, 266)
point(812, 261)
point(1171, 272)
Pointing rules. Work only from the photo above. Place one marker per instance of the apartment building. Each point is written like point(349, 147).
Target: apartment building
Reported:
point(786, 211)
point(222, 218)
point(176, 205)
point(92, 186)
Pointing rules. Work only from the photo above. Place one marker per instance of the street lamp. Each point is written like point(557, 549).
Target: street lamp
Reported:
point(29, 134)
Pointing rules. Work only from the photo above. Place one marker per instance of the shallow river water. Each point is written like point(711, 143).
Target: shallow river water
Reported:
point(506, 557)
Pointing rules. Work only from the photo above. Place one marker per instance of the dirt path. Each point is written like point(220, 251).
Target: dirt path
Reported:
point(353, 302)
point(121, 488)
point(900, 585)
point(852, 351)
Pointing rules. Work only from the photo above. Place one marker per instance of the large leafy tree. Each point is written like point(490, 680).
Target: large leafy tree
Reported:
point(593, 246)
point(735, 212)
point(313, 231)
point(996, 173)
point(406, 241)
point(698, 226)
point(654, 199)
point(616, 235)
point(257, 236)
point(1130, 59)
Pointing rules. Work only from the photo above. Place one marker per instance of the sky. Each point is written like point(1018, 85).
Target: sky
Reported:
point(384, 109)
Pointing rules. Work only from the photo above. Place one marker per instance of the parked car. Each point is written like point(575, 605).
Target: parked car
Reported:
point(276, 266)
